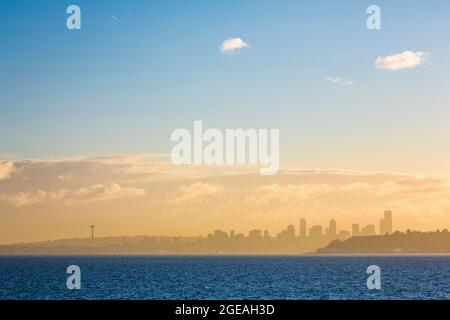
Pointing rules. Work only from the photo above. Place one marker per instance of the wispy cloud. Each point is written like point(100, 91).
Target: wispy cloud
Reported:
point(197, 191)
point(233, 44)
point(89, 194)
point(339, 80)
point(66, 176)
point(26, 199)
point(6, 169)
point(101, 192)
point(403, 60)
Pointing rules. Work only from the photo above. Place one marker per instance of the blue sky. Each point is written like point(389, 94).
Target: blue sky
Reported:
point(137, 70)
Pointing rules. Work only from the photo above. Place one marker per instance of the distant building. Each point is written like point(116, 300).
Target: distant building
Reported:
point(290, 232)
point(255, 235)
point(332, 228)
point(355, 230)
point(287, 234)
point(315, 232)
point(368, 230)
point(386, 223)
point(218, 237)
point(239, 236)
point(302, 231)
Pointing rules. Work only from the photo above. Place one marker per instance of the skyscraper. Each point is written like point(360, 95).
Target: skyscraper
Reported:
point(302, 228)
point(290, 232)
point(332, 228)
point(386, 223)
point(355, 230)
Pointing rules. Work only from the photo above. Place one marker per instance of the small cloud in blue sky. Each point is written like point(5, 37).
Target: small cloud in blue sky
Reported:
point(233, 44)
point(339, 80)
point(404, 60)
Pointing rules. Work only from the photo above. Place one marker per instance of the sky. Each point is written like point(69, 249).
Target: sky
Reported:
point(138, 70)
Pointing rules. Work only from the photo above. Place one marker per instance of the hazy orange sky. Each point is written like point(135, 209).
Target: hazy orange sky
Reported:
point(146, 195)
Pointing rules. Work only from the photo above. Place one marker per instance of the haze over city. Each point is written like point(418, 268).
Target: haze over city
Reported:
point(291, 240)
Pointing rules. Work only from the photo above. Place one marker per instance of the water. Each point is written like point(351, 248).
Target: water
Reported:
point(287, 277)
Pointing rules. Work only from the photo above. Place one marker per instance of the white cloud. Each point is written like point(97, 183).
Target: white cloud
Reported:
point(404, 60)
point(100, 192)
point(197, 191)
point(6, 169)
point(339, 80)
point(90, 194)
point(26, 199)
point(233, 44)
point(66, 176)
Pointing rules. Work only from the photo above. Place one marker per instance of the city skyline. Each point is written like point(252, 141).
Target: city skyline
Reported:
point(290, 233)
point(317, 231)
point(288, 241)
point(255, 241)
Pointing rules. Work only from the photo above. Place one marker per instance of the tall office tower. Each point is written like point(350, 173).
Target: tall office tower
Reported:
point(332, 228)
point(386, 223)
point(355, 230)
point(290, 232)
point(302, 228)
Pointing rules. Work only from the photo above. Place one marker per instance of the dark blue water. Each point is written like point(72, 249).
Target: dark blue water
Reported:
point(304, 277)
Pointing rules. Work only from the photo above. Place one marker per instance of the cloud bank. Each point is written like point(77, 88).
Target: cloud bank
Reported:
point(88, 194)
point(199, 198)
point(197, 191)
